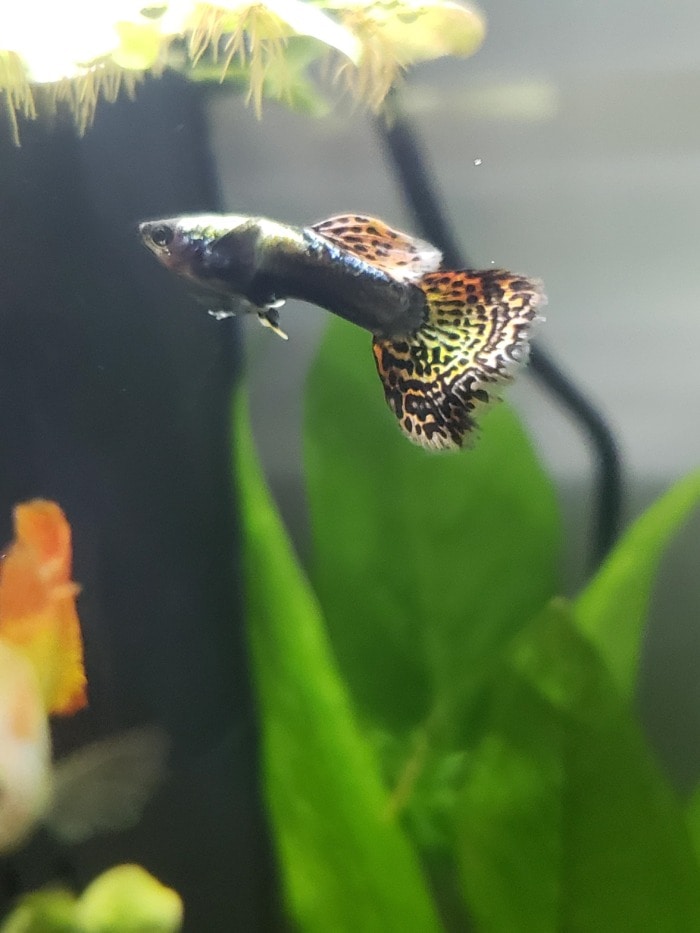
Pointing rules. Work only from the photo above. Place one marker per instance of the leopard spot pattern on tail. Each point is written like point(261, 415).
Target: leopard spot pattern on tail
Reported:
point(475, 337)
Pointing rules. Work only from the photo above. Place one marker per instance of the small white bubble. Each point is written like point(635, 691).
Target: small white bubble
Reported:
point(477, 161)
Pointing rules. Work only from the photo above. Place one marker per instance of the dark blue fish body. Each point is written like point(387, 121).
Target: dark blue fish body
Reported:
point(444, 341)
point(266, 262)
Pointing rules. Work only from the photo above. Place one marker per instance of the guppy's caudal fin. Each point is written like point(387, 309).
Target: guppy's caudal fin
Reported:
point(477, 332)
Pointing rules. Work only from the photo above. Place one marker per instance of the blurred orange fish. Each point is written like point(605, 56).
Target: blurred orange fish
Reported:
point(37, 604)
point(25, 749)
point(100, 787)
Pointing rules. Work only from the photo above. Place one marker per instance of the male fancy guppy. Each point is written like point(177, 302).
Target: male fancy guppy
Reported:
point(445, 342)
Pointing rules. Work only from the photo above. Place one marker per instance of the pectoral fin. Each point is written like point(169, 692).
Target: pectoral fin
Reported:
point(104, 786)
point(270, 318)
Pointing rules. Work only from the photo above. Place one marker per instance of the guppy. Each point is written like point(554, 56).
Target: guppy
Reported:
point(445, 342)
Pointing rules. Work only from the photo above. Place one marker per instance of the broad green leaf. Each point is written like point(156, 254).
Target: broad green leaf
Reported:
point(424, 563)
point(692, 814)
point(509, 819)
point(566, 822)
point(127, 899)
point(612, 609)
point(345, 865)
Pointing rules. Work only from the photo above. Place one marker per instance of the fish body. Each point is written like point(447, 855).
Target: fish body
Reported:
point(445, 342)
point(265, 262)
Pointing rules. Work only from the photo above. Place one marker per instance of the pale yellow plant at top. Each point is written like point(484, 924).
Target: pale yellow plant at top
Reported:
point(16, 90)
point(253, 33)
point(398, 33)
point(76, 51)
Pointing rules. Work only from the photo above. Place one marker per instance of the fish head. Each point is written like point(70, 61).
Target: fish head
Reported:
point(186, 245)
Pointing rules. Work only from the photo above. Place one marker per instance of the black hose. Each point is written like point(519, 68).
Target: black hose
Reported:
point(419, 188)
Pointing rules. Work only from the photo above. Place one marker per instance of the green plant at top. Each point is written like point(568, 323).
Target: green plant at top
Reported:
point(443, 737)
point(71, 52)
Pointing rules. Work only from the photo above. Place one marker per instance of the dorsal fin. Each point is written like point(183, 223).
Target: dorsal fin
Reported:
point(404, 257)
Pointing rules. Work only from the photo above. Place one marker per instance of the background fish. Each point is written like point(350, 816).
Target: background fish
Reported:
point(25, 749)
point(101, 787)
point(445, 342)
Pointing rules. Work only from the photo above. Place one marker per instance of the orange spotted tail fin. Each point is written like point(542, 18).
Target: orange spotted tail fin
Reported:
point(476, 335)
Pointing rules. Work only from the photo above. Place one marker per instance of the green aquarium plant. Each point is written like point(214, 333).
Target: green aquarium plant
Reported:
point(72, 52)
point(445, 739)
point(124, 899)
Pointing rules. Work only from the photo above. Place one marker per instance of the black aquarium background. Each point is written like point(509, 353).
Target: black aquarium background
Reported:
point(115, 403)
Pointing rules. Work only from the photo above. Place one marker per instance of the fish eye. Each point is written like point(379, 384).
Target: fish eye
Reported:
point(162, 235)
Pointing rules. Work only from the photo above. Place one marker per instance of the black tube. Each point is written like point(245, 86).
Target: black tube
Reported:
point(420, 190)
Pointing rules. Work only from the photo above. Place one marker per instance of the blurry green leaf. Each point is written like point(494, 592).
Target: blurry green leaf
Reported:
point(290, 82)
point(139, 45)
point(303, 96)
point(424, 781)
point(345, 865)
point(423, 563)
point(565, 820)
point(692, 814)
point(49, 911)
point(124, 899)
point(509, 817)
point(285, 77)
point(292, 89)
point(612, 609)
point(127, 899)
